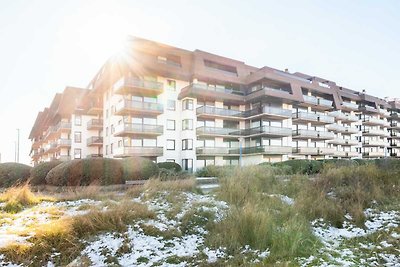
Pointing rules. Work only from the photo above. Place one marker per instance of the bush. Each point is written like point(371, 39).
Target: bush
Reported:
point(137, 168)
point(171, 175)
point(170, 166)
point(300, 166)
point(102, 171)
point(215, 171)
point(13, 173)
point(39, 172)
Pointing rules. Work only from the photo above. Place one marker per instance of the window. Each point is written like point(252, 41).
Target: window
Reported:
point(171, 85)
point(187, 144)
point(78, 137)
point(106, 131)
point(106, 149)
point(77, 153)
point(187, 124)
point(111, 148)
point(150, 142)
point(170, 144)
point(78, 120)
point(187, 165)
point(136, 142)
point(171, 125)
point(106, 113)
point(150, 121)
point(171, 104)
point(120, 143)
point(187, 104)
point(112, 129)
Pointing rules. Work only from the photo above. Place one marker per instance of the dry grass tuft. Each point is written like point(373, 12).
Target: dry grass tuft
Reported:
point(156, 185)
point(19, 197)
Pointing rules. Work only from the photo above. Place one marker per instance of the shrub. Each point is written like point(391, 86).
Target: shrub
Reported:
point(13, 173)
point(215, 171)
point(170, 166)
point(39, 172)
point(101, 171)
point(300, 166)
point(171, 175)
point(137, 168)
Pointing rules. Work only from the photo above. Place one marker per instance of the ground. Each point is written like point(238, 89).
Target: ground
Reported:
point(175, 233)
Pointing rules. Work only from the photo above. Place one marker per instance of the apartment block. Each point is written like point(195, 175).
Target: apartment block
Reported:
point(197, 109)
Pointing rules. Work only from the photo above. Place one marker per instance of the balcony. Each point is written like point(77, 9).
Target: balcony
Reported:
point(129, 129)
point(312, 100)
point(268, 112)
point(267, 150)
point(94, 156)
point(338, 115)
point(138, 151)
point(349, 106)
point(326, 150)
point(270, 131)
point(315, 119)
point(374, 143)
point(95, 124)
point(215, 151)
point(130, 85)
point(367, 109)
point(337, 141)
point(375, 122)
point(311, 134)
point(341, 154)
point(95, 109)
point(394, 135)
point(217, 131)
point(375, 132)
point(212, 93)
point(350, 130)
point(394, 143)
point(373, 154)
point(51, 147)
point(214, 112)
point(305, 150)
point(395, 116)
point(94, 141)
point(395, 125)
point(350, 142)
point(131, 107)
point(63, 142)
point(384, 113)
point(395, 154)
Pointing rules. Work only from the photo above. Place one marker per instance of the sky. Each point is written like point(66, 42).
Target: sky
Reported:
point(46, 45)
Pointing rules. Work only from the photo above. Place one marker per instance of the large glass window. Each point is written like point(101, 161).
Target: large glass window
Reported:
point(77, 153)
point(78, 120)
point(78, 137)
point(187, 104)
point(187, 165)
point(170, 144)
point(171, 104)
point(187, 144)
point(187, 124)
point(171, 125)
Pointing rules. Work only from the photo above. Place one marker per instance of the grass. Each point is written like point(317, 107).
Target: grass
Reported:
point(154, 186)
point(261, 221)
point(66, 235)
point(19, 197)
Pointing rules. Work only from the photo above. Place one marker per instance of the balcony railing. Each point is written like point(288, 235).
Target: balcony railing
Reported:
point(129, 151)
point(126, 107)
point(350, 105)
point(310, 99)
point(129, 84)
point(375, 132)
point(375, 121)
point(270, 150)
point(326, 150)
point(338, 115)
point(64, 142)
point(373, 154)
point(216, 89)
point(213, 151)
point(311, 134)
point(136, 128)
point(95, 124)
point(271, 111)
point(218, 131)
point(366, 108)
point(94, 140)
point(325, 102)
point(210, 110)
point(312, 117)
point(264, 130)
point(378, 143)
point(305, 150)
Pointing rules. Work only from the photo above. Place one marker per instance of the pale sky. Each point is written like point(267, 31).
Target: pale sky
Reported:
point(47, 45)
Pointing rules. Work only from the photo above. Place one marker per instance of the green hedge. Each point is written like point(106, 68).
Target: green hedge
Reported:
point(137, 168)
point(39, 172)
point(170, 166)
point(80, 172)
point(302, 166)
point(12, 173)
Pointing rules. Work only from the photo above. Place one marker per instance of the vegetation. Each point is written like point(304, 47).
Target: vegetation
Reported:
point(39, 172)
point(82, 172)
point(170, 166)
point(12, 173)
point(17, 198)
point(137, 168)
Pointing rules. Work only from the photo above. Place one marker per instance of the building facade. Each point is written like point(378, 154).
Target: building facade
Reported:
point(199, 109)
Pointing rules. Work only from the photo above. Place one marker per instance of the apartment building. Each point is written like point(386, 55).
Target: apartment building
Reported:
point(196, 109)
